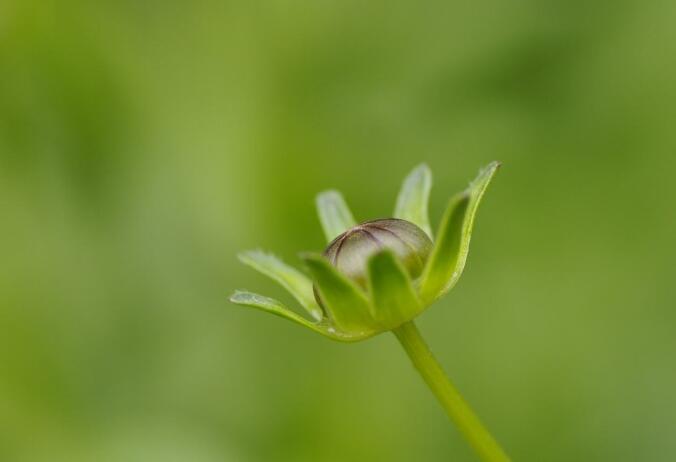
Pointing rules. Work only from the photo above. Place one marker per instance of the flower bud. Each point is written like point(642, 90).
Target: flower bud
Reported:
point(378, 275)
point(351, 251)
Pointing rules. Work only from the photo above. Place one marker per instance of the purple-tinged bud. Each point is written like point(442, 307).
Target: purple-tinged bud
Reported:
point(351, 251)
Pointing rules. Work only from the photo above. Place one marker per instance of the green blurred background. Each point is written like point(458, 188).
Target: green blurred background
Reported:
point(142, 144)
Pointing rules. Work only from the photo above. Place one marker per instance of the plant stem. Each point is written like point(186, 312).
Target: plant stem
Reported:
point(457, 409)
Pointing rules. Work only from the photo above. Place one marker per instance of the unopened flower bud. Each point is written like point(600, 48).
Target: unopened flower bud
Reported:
point(351, 251)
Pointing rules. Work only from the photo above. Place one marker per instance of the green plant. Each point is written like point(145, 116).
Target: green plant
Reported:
point(380, 275)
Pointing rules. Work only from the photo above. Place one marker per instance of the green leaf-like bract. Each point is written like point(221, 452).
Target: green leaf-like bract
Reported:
point(393, 297)
point(288, 277)
point(448, 258)
point(346, 304)
point(270, 305)
point(334, 214)
point(414, 197)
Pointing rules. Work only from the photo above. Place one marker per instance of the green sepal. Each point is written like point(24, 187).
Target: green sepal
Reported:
point(394, 300)
point(449, 255)
point(345, 303)
point(288, 277)
point(334, 214)
point(413, 198)
point(270, 305)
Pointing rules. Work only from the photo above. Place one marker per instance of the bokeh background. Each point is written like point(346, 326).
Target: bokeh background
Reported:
point(142, 144)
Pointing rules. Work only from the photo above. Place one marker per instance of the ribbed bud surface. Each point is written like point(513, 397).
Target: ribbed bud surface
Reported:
point(350, 251)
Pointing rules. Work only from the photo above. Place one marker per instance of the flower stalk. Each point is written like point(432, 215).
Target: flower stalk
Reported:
point(486, 447)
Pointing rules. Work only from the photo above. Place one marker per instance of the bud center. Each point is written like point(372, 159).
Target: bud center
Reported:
point(351, 251)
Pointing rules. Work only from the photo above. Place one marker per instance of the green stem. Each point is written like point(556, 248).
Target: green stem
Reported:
point(457, 409)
